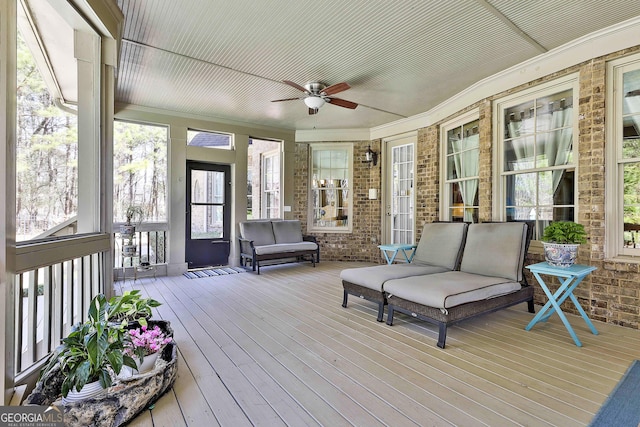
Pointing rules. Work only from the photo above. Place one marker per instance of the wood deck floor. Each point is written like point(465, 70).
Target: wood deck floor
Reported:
point(278, 349)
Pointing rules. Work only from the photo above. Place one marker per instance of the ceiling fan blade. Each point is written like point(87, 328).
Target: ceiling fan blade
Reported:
point(313, 111)
point(296, 85)
point(342, 103)
point(338, 87)
point(285, 99)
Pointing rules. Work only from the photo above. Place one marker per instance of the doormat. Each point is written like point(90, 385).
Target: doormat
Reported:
point(622, 407)
point(210, 272)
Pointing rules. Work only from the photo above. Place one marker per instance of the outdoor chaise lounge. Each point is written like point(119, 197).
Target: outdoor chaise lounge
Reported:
point(439, 250)
point(490, 278)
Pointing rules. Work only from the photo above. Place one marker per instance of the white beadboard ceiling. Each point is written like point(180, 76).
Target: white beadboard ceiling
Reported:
point(226, 59)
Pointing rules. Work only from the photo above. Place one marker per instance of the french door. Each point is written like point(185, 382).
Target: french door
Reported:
point(208, 219)
point(399, 195)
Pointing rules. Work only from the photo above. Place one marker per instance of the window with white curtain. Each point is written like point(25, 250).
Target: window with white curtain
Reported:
point(623, 157)
point(330, 207)
point(461, 148)
point(537, 164)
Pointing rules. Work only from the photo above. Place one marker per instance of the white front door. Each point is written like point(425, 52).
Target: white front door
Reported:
point(399, 195)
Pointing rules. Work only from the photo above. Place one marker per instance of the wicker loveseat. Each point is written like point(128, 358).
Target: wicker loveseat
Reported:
point(279, 240)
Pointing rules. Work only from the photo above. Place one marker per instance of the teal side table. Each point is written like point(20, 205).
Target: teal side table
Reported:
point(569, 279)
point(394, 249)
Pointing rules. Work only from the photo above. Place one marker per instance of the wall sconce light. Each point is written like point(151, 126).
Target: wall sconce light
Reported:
point(370, 157)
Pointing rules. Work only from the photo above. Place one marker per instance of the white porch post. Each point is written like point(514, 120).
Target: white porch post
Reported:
point(7, 191)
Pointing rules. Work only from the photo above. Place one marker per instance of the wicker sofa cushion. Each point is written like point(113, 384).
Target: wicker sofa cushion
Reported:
point(449, 289)
point(287, 231)
point(441, 244)
point(495, 249)
point(374, 277)
point(260, 232)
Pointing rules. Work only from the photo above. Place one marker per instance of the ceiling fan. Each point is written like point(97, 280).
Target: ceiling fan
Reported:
point(317, 93)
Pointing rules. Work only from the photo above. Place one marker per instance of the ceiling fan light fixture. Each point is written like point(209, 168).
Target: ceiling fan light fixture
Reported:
point(314, 102)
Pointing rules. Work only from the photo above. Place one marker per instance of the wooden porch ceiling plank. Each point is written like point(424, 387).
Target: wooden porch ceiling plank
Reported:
point(253, 404)
point(383, 357)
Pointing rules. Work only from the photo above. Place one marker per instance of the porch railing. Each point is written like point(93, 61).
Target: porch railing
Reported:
point(54, 284)
point(151, 242)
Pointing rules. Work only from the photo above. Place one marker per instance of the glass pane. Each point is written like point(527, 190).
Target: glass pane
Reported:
point(208, 139)
point(519, 154)
point(555, 111)
point(521, 192)
point(631, 92)
point(519, 120)
point(555, 148)
point(206, 222)
point(631, 201)
point(631, 138)
point(207, 186)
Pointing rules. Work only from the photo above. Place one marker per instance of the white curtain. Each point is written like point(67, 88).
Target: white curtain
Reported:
point(555, 146)
point(466, 162)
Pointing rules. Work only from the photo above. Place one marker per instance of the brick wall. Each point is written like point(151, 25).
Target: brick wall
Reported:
point(362, 243)
point(610, 294)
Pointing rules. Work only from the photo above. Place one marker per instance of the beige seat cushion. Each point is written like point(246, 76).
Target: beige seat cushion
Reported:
point(449, 289)
point(374, 277)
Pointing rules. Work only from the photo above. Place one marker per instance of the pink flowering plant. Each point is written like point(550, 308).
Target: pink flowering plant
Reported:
point(144, 341)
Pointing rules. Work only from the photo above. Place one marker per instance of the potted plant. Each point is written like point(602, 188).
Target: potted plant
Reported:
point(144, 346)
point(134, 215)
point(131, 307)
point(561, 240)
point(89, 355)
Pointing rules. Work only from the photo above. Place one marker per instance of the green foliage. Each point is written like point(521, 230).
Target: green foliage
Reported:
point(131, 307)
point(91, 350)
point(564, 232)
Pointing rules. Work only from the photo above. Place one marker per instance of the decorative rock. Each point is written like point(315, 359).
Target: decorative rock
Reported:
point(125, 399)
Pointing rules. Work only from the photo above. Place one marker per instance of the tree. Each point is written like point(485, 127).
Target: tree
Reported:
point(47, 153)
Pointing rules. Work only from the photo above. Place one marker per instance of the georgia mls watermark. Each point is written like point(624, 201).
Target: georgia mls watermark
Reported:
point(32, 416)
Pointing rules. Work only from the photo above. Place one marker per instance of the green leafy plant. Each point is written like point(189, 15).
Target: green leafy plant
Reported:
point(91, 351)
point(564, 232)
point(131, 307)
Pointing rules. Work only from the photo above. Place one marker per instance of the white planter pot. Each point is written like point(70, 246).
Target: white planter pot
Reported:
point(89, 390)
point(147, 364)
point(560, 255)
point(127, 230)
point(129, 250)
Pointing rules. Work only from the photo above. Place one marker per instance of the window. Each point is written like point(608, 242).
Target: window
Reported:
point(47, 156)
point(209, 139)
point(331, 177)
point(271, 185)
point(623, 179)
point(140, 170)
point(263, 176)
point(461, 142)
point(537, 165)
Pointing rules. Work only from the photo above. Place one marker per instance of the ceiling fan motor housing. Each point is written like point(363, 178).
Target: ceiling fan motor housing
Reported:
point(315, 88)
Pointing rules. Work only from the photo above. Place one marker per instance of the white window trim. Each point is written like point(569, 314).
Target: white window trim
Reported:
point(342, 229)
point(445, 192)
point(570, 81)
point(614, 186)
point(263, 200)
